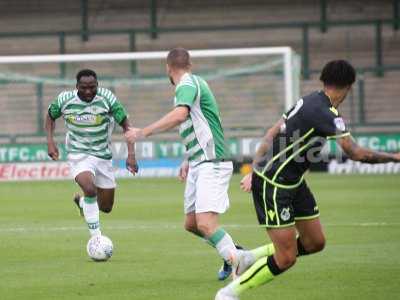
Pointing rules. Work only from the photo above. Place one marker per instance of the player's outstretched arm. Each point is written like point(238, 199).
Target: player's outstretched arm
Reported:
point(131, 163)
point(172, 119)
point(52, 149)
point(358, 153)
point(266, 142)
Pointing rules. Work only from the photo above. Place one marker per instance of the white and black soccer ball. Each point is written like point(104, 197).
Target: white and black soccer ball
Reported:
point(99, 248)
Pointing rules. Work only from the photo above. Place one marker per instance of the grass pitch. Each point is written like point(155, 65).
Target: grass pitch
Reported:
point(43, 256)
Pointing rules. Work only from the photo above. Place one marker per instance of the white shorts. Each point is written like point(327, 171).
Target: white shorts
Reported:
point(101, 169)
point(207, 187)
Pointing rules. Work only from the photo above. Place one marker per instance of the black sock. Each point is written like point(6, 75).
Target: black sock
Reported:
point(273, 267)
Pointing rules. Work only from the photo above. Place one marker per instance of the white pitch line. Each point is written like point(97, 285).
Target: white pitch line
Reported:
point(173, 227)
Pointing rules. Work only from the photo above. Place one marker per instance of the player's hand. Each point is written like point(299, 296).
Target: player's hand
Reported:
point(131, 165)
point(52, 151)
point(397, 156)
point(183, 171)
point(245, 183)
point(133, 134)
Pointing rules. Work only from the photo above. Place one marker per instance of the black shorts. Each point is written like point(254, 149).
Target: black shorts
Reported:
point(278, 207)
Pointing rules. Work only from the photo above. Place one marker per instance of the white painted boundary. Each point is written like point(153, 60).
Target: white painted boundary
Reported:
point(172, 226)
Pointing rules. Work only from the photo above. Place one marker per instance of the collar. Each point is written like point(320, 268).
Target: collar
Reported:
point(184, 76)
point(77, 96)
point(328, 102)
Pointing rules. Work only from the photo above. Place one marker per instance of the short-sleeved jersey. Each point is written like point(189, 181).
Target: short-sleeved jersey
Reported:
point(307, 126)
point(202, 131)
point(89, 124)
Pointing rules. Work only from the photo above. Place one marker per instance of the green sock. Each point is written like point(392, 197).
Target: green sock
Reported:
point(205, 239)
point(262, 271)
point(223, 243)
point(216, 237)
point(266, 250)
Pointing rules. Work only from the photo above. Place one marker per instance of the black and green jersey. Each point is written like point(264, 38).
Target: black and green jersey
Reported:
point(89, 124)
point(307, 126)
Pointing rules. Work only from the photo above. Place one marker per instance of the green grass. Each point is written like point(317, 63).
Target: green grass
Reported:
point(43, 256)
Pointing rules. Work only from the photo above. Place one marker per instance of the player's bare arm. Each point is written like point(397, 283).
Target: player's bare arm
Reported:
point(52, 149)
point(266, 142)
point(170, 120)
point(177, 116)
point(358, 153)
point(131, 163)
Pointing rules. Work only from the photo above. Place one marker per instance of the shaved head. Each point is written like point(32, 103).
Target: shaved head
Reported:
point(179, 59)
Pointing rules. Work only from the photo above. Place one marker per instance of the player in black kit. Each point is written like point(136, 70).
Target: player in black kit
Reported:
point(284, 204)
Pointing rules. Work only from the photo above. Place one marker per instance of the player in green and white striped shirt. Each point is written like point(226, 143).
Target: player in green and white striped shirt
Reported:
point(207, 173)
point(89, 113)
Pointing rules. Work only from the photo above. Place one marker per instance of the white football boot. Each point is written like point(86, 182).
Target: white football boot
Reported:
point(226, 294)
point(245, 260)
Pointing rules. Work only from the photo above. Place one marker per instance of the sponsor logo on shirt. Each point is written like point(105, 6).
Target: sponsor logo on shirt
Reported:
point(85, 119)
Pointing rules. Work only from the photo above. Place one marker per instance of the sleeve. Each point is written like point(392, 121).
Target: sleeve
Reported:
point(118, 111)
point(185, 95)
point(293, 110)
point(329, 123)
point(286, 114)
point(54, 109)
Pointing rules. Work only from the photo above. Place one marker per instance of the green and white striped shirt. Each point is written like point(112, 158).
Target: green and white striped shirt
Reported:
point(89, 124)
point(202, 131)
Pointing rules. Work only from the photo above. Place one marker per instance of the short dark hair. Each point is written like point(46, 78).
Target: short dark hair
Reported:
point(85, 73)
point(338, 73)
point(179, 58)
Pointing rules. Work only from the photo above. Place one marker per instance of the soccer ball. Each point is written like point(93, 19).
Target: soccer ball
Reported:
point(99, 248)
